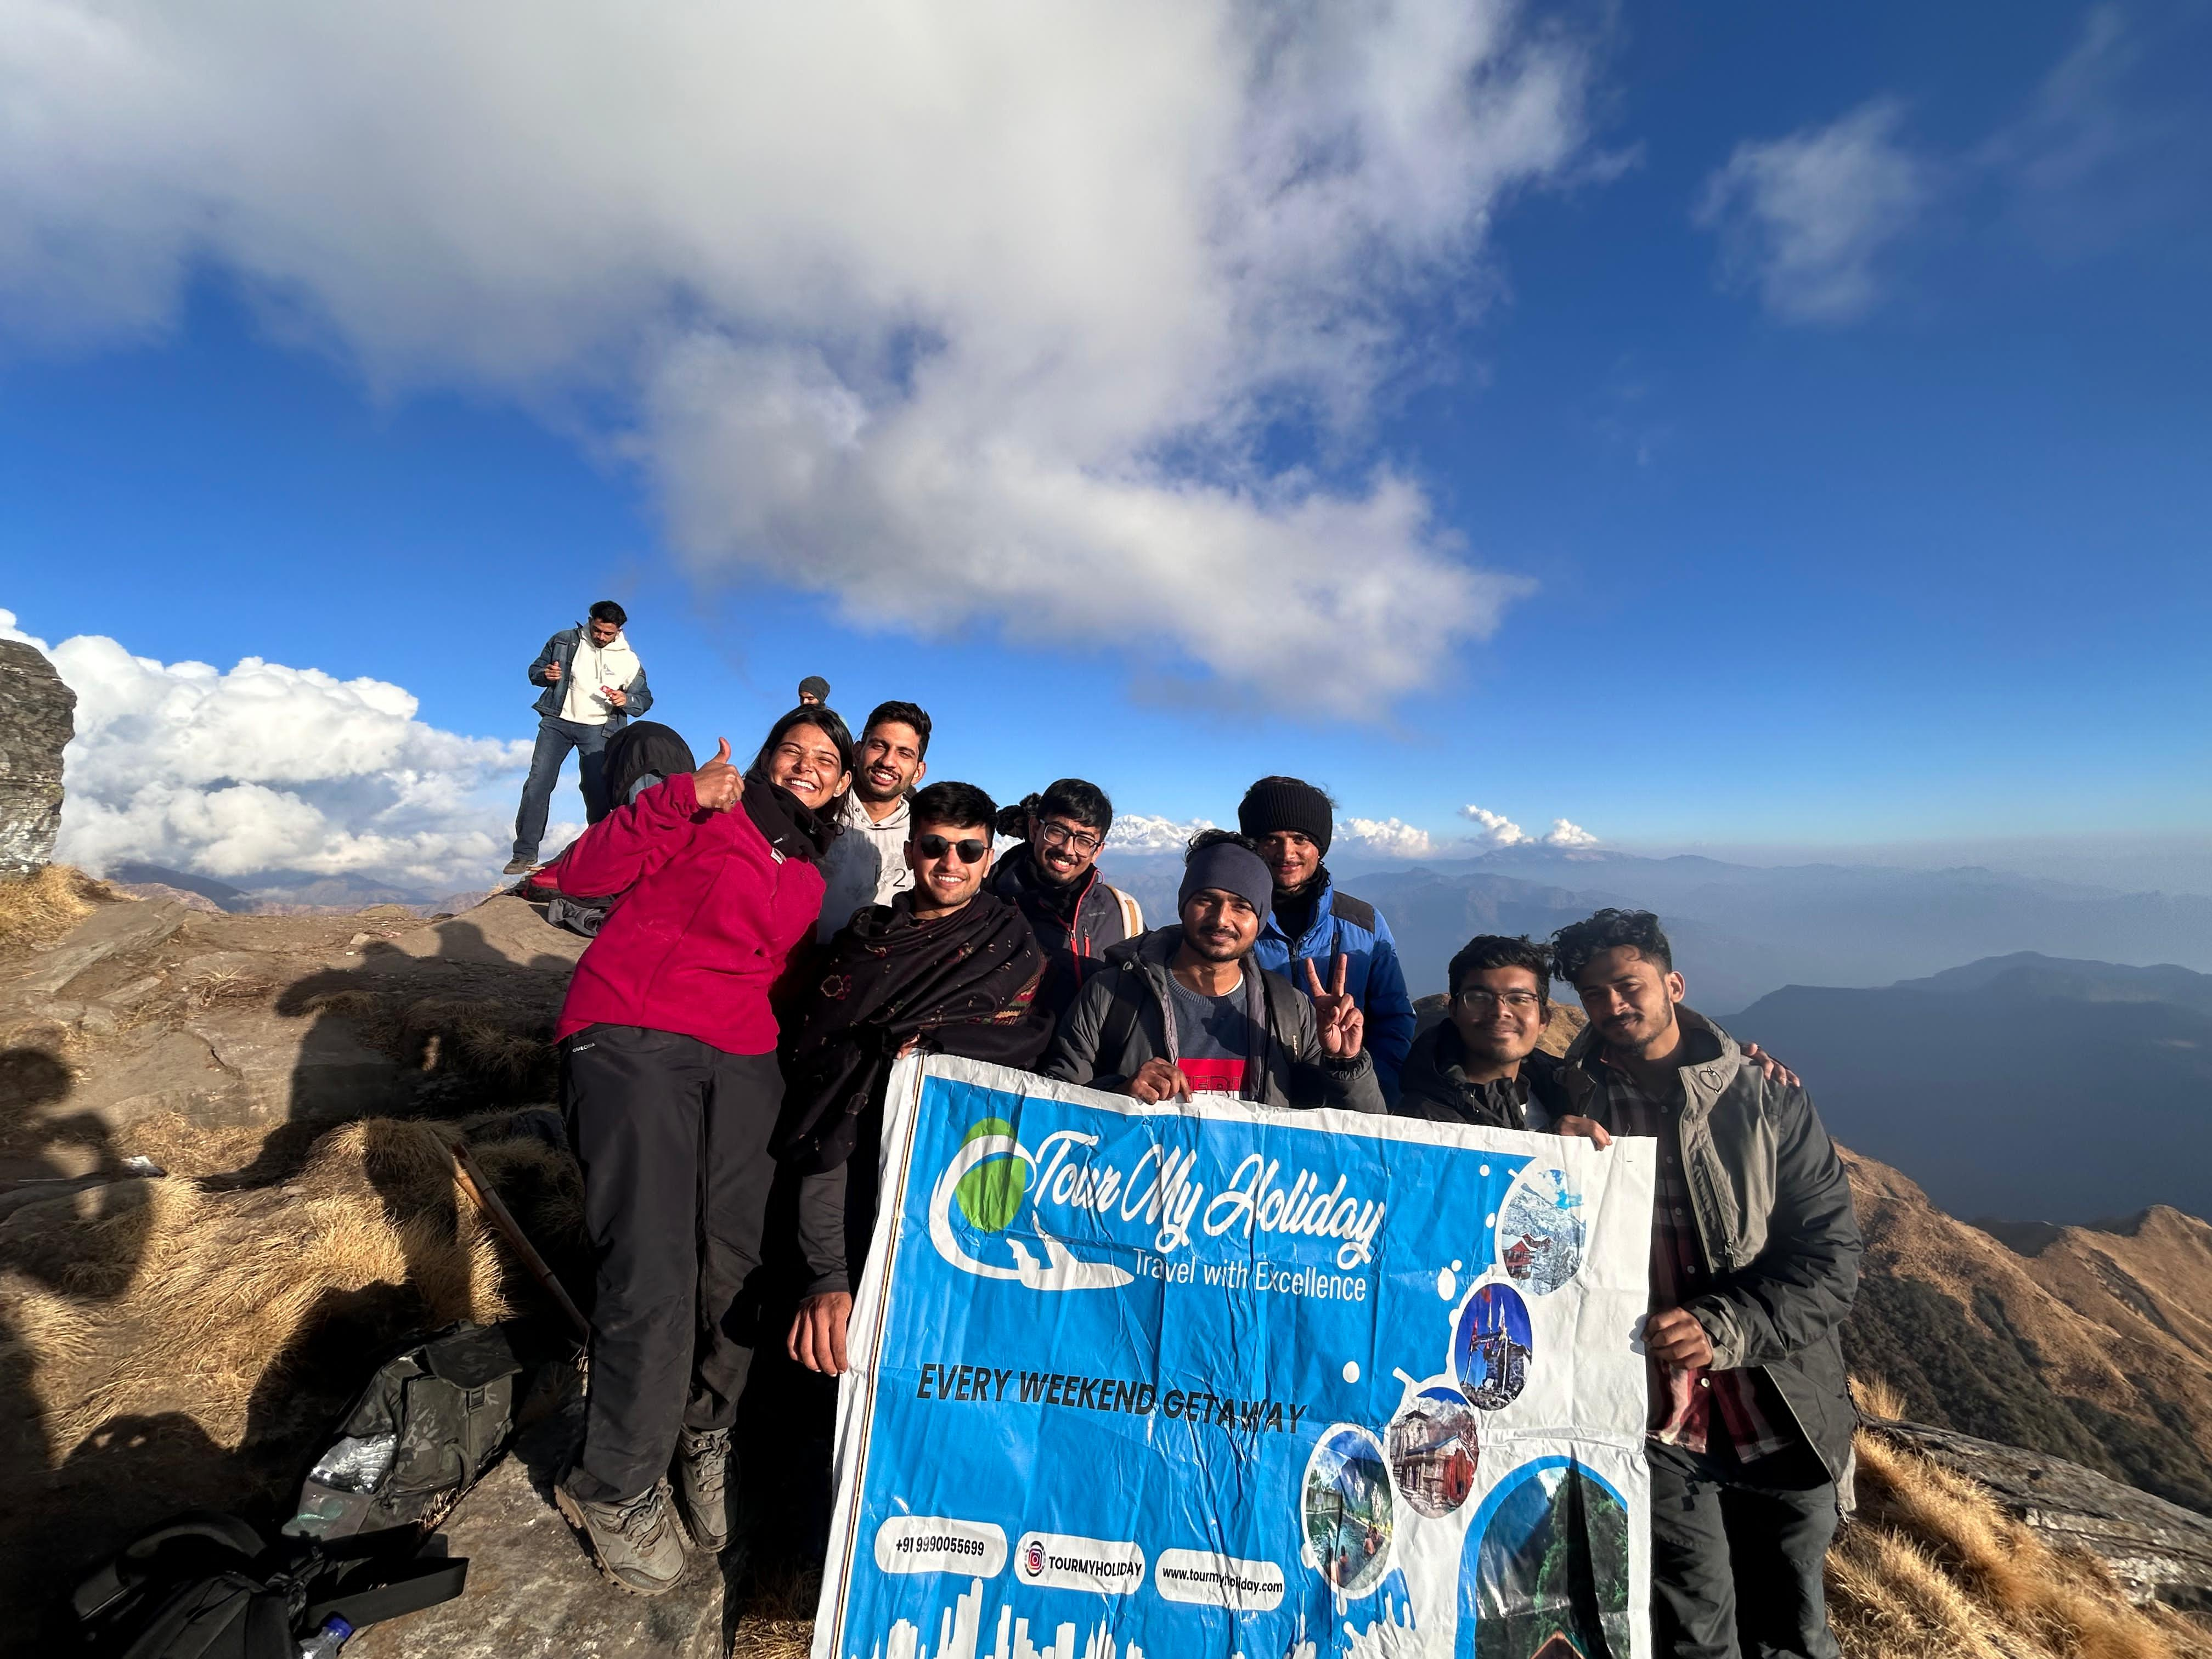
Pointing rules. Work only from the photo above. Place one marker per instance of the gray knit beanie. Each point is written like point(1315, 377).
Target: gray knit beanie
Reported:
point(1233, 869)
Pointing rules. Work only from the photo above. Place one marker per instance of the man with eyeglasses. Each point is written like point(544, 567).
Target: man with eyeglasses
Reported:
point(1480, 1065)
point(1053, 879)
point(945, 967)
point(867, 863)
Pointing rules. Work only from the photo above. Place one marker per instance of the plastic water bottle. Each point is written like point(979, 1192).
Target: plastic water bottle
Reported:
point(325, 1642)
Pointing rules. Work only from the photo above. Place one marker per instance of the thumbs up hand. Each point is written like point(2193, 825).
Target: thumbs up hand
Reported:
point(718, 784)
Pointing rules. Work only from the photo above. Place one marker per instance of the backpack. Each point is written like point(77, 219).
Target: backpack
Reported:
point(429, 1423)
point(207, 1586)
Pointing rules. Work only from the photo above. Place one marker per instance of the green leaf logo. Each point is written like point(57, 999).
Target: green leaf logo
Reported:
point(990, 1194)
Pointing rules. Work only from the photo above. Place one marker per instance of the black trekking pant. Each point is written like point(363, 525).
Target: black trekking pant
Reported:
point(672, 1135)
point(1737, 1554)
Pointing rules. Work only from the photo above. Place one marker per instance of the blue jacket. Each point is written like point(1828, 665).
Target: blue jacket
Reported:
point(1372, 974)
point(561, 649)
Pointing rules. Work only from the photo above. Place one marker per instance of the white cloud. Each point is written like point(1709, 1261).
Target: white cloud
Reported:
point(1502, 831)
point(1394, 836)
point(1804, 219)
point(974, 313)
point(265, 768)
point(1144, 832)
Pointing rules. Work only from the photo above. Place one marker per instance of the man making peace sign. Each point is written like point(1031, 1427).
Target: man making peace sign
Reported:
point(1187, 1009)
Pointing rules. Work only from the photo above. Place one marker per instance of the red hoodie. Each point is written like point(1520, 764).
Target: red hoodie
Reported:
point(710, 914)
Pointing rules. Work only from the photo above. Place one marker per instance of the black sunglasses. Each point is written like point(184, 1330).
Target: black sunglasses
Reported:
point(971, 852)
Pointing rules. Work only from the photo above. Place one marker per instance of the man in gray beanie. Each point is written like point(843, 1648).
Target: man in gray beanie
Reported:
point(1186, 1010)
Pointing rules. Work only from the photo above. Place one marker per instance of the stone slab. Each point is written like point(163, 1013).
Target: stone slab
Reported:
point(127, 928)
point(534, 1593)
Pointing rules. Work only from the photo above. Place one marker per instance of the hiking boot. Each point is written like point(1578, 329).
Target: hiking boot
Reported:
point(519, 866)
point(702, 1487)
point(637, 1544)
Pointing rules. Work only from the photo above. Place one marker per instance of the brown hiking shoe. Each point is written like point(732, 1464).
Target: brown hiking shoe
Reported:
point(637, 1544)
point(702, 1487)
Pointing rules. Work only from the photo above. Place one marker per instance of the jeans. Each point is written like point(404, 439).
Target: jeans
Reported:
point(555, 737)
point(1736, 1552)
point(673, 1135)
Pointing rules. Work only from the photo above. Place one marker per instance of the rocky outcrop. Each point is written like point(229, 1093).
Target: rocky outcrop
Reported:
point(2157, 1551)
point(37, 719)
point(181, 1034)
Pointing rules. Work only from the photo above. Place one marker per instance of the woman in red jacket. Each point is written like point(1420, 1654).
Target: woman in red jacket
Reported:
point(671, 1088)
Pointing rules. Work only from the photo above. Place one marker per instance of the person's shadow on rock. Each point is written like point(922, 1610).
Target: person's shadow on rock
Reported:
point(56, 1513)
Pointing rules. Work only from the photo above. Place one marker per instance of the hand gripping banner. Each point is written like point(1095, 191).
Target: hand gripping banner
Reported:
point(1149, 1383)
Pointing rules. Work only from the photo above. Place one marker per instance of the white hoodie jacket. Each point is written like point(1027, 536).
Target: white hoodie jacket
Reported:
point(594, 666)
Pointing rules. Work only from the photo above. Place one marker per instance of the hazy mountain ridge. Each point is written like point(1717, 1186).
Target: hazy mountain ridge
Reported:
point(2023, 1086)
point(2094, 1348)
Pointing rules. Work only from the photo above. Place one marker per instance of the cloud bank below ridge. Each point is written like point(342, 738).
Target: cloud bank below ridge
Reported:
point(264, 767)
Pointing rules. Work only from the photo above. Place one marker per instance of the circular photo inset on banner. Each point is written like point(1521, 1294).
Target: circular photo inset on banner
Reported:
point(1345, 1505)
point(1491, 1347)
point(1540, 1231)
point(1433, 1451)
point(1545, 1570)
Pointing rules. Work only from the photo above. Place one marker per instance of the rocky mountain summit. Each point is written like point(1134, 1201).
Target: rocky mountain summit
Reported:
point(40, 720)
point(227, 1189)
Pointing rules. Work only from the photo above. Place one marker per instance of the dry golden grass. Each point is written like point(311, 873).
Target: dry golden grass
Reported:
point(161, 1295)
point(1932, 1569)
point(777, 1621)
point(39, 910)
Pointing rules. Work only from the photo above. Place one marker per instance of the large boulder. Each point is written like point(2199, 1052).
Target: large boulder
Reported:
point(37, 720)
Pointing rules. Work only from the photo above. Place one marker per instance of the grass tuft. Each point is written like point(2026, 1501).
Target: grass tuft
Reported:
point(36, 910)
point(1931, 1568)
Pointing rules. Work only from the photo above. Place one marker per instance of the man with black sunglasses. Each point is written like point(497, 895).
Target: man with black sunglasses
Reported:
point(945, 967)
point(1052, 877)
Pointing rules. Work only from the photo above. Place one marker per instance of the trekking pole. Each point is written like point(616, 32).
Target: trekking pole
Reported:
point(494, 1210)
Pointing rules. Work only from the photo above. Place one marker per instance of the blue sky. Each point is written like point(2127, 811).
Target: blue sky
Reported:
point(1852, 490)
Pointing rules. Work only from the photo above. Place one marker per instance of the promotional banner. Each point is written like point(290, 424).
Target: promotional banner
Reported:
point(1211, 1379)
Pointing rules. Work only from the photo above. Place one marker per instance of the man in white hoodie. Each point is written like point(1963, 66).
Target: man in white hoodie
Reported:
point(867, 865)
point(593, 686)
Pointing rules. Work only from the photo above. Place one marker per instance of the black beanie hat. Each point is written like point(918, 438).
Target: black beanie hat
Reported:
point(1275, 804)
point(814, 685)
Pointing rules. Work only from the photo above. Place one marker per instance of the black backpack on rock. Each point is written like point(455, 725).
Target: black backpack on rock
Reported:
point(207, 1586)
point(433, 1418)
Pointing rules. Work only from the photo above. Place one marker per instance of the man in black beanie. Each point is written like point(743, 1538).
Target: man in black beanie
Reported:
point(1291, 822)
point(1188, 1010)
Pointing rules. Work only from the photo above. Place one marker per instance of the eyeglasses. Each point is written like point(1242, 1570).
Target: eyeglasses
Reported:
point(935, 847)
point(1058, 835)
point(1520, 1002)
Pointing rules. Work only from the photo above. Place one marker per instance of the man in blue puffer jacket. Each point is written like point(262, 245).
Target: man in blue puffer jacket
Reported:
point(1292, 821)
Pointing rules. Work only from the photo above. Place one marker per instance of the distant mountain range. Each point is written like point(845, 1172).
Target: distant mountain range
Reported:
point(1741, 931)
point(2023, 1085)
point(288, 892)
